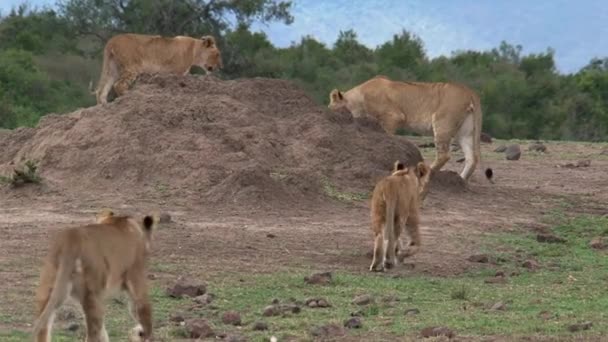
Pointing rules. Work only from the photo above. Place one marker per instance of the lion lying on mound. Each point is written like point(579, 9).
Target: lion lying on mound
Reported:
point(127, 55)
point(447, 110)
point(395, 203)
point(92, 261)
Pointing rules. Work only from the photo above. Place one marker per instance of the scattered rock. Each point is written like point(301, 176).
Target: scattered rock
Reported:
point(317, 303)
point(177, 318)
point(530, 264)
point(270, 236)
point(598, 242)
point(353, 323)
point(260, 326)
point(460, 160)
point(327, 331)
point(427, 145)
point(485, 137)
point(480, 258)
point(390, 299)
point(73, 327)
point(499, 274)
point(357, 314)
point(165, 218)
point(513, 152)
point(207, 298)
point(549, 238)
point(184, 287)
point(580, 326)
point(412, 312)
point(537, 147)
point(275, 301)
point(363, 300)
point(500, 149)
point(271, 310)
point(496, 280)
point(437, 331)
point(322, 278)
point(498, 306)
point(199, 328)
point(231, 318)
point(545, 315)
point(580, 163)
point(276, 310)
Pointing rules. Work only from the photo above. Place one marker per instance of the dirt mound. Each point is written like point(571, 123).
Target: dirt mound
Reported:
point(249, 141)
point(446, 180)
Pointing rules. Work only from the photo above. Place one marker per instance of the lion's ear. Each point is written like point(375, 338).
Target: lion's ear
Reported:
point(336, 95)
point(398, 166)
point(208, 41)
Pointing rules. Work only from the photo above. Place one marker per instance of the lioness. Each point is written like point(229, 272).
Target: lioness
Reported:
point(395, 202)
point(447, 110)
point(127, 55)
point(89, 262)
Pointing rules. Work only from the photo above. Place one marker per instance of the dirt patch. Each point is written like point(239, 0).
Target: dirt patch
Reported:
point(243, 142)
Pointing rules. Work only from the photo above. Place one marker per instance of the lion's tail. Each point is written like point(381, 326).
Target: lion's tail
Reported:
point(60, 291)
point(389, 224)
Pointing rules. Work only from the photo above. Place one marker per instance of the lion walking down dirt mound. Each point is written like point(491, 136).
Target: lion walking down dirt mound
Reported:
point(125, 56)
point(446, 110)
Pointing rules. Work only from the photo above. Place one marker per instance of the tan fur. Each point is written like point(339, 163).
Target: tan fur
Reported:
point(396, 202)
point(125, 56)
point(90, 262)
point(446, 110)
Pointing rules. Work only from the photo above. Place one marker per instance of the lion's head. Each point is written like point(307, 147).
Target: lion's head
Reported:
point(209, 56)
point(337, 102)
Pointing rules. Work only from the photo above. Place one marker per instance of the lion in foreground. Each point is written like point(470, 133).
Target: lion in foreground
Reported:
point(395, 203)
point(125, 56)
point(89, 262)
point(446, 110)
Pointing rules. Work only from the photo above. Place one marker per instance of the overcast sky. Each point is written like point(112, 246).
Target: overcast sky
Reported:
point(576, 30)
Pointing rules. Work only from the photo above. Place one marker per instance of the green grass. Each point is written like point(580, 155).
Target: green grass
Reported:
point(343, 196)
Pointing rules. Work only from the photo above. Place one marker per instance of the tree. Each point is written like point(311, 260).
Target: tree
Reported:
point(405, 51)
point(348, 50)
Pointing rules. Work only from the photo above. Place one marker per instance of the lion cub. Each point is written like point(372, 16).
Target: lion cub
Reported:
point(89, 262)
point(395, 202)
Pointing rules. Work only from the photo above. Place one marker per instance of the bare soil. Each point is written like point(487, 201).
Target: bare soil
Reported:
point(239, 167)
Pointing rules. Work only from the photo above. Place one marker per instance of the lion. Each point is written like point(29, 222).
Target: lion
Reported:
point(127, 55)
point(446, 110)
point(87, 263)
point(395, 203)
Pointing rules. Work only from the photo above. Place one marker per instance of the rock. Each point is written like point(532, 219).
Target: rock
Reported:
point(151, 276)
point(498, 306)
point(270, 236)
point(317, 303)
point(598, 242)
point(260, 326)
point(327, 331)
point(73, 327)
point(322, 278)
point(480, 258)
point(390, 299)
point(235, 338)
point(499, 274)
point(184, 287)
point(276, 310)
point(496, 280)
point(513, 152)
point(549, 238)
point(231, 318)
point(537, 147)
point(604, 153)
point(485, 138)
point(357, 314)
point(412, 312)
point(165, 218)
point(530, 264)
point(275, 301)
point(460, 160)
point(426, 145)
point(199, 328)
point(437, 331)
point(580, 326)
point(580, 163)
point(545, 315)
point(271, 310)
point(500, 149)
point(353, 323)
point(363, 300)
point(207, 298)
point(177, 318)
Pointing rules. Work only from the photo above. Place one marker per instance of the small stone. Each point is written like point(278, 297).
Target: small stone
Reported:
point(580, 326)
point(231, 317)
point(460, 160)
point(271, 310)
point(362, 300)
point(327, 331)
point(353, 323)
point(357, 314)
point(485, 138)
point(275, 301)
point(598, 243)
point(537, 147)
point(322, 278)
point(165, 218)
point(545, 315)
point(530, 264)
point(480, 258)
point(496, 280)
point(199, 328)
point(412, 312)
point(235, 338)
point(549, 238)
point(270, 236)
point(177, 318)
point(390, 299)
point(513, 152)
point(260, 326)
point(437, 331)
point(498, 306)
point(499, 274)
point(500, 149)
point(73, 327)
point(604, 153)
point(427, 145)
point(151, 276)
point(207, 298)
point(184, 287)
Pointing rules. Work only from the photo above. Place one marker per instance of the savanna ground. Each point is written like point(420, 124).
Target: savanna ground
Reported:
point(247, 258)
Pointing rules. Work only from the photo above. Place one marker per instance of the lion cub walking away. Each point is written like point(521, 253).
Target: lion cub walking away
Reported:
point(396, 202)
point(89, 262)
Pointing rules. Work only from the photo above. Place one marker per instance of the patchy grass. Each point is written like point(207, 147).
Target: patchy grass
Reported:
point(331, 191)
point(27, 175)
